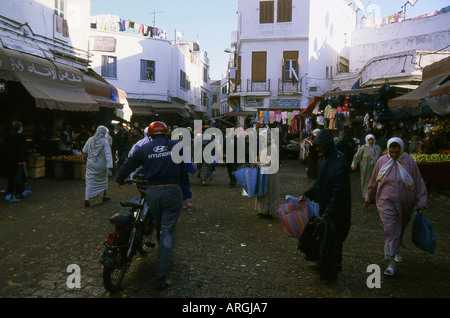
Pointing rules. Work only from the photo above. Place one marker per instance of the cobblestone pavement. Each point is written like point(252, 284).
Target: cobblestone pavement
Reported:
point(223, 249)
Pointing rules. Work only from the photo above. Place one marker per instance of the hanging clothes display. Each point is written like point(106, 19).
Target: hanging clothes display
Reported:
point(332, 118)
point(284, 117)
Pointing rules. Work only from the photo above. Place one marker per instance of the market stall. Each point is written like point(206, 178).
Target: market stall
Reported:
point(429, 107)
point(66, 167)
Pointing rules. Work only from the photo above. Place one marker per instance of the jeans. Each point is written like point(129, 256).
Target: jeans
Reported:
point(165, 205)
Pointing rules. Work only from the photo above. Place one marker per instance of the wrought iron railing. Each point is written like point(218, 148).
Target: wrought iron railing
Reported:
point(253, 86)
point(289, 87)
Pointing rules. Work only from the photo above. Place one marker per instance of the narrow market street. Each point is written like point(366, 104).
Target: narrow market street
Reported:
point(223, 249)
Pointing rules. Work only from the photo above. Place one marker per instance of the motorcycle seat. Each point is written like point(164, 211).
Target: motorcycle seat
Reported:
point(123, 217)
point(132, 204)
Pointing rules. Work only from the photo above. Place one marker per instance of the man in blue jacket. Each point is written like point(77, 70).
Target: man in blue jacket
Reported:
point(164, 195)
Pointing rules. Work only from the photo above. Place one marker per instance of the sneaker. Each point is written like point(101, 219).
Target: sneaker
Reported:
point(26, 193)
point(389, 271)
point(105, 199)
point(398, 258)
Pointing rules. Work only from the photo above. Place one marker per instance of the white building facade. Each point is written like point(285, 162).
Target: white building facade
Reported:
point(44, 65)
point(287, 51)
point(396, 51)
point(161, 78)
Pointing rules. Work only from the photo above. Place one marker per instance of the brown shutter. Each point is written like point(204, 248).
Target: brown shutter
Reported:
point(284, 11)
point(259, 66)
point(266, 11)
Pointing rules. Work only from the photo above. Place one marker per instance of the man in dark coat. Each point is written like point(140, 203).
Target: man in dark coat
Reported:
point(332, 191)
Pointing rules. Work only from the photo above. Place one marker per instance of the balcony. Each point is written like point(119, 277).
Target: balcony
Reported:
point(289, 87)
point(251, 87)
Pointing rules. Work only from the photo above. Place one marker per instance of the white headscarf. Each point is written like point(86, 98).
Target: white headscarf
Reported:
point(373, 148)
point(97, 141)
point(384, 171)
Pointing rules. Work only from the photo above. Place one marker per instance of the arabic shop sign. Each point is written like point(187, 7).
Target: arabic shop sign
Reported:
point(43, 69)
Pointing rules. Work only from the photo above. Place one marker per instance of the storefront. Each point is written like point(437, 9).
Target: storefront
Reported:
point(43, 94)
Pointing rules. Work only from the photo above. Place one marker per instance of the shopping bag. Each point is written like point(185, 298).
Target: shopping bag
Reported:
point(313, 208)
point(261, 182)
point(423, 235)
point(294, 216)
point(312, 242)
point(247, 178)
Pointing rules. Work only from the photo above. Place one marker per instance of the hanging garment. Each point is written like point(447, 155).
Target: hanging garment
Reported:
point(284, 117)
point(331, 117)
point(278, 116)
point(261, 116)
point(271, 116)
point(290, 116)
point(266, 117)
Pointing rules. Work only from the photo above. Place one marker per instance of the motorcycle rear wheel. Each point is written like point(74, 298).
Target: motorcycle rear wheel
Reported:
point(113, 276)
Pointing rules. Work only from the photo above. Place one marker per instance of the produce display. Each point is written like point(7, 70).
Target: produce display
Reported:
point(69, 157)
point(431, 158)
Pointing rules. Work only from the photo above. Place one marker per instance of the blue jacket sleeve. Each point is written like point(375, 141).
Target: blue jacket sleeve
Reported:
point(128, 167)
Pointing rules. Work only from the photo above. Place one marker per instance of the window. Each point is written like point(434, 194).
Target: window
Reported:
point(60, 7)
point(266, 11)
point(259, 66)
point(290, 66)
point(147, 70)
point(205, 75)
point(185, 83)
point(204, 99)
point(290, 70)
point(284, 11)
point(109, 66)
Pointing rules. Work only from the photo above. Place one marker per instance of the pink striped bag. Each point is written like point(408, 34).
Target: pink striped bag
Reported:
point(294, 216)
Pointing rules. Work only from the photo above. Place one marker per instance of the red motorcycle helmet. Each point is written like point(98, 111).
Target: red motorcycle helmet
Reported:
point(157, 128)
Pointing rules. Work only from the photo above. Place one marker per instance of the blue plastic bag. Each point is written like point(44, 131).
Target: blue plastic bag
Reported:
point(423, 235)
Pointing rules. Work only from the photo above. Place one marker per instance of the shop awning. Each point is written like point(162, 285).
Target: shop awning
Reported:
point(435, 81)
point(142, 107)
point(412, 99)
point(53, 85)
point(371, 90)
point(311, 106)
point(441, 89)
point(100, 90)
point(238, 114)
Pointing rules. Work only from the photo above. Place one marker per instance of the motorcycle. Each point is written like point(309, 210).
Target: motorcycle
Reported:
point(133, 229)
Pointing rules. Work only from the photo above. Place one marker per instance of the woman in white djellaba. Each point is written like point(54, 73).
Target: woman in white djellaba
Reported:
point(366, 157)
point(99, 161)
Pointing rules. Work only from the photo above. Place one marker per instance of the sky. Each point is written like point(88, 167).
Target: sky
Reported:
point(212, 21)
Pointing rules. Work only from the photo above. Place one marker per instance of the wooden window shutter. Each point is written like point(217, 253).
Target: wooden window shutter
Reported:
point(259, 66)
point(266, 11)
point(284, 11)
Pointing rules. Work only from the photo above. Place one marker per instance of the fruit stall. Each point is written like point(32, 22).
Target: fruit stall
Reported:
point(67, 167)
point(435, 168)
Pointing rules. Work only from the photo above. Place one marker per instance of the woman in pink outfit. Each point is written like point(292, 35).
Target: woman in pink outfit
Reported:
point(398, 187)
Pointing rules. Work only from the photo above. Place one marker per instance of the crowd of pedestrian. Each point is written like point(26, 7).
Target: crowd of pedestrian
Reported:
point(388, 175)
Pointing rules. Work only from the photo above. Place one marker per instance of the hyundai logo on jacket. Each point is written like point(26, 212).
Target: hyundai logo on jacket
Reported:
point(158, 166)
